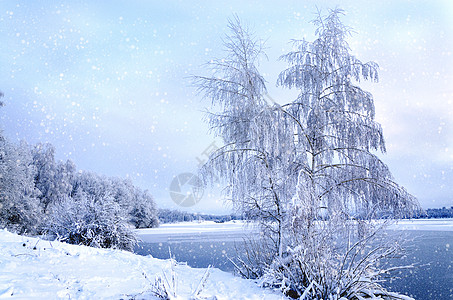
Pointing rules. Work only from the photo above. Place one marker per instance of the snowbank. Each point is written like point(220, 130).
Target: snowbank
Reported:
point(34, 268)
point(424, 224)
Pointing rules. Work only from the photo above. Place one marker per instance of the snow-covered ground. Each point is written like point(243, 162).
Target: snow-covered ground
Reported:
point(38, 269)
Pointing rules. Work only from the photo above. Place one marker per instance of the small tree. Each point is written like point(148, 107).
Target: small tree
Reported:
point(143, 211)
point(19, 207)
point(139, 204)
point(53, 178)
point(307, 170)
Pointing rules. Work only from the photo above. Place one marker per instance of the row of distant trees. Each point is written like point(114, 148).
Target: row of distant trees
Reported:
point(173, 216)
point(435, 213)
point(40, 195)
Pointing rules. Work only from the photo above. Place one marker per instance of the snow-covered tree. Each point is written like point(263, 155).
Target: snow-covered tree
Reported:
point(96, 186)
point(335, 129)
point(19, 207)
point(101, 212)
point(44, 162)
point(255, 159)
point(308, 170)
point(39, 195)
point(138, 204)
point(84, 220)
point(91, 215)
point(143, 211)
point(53, 179)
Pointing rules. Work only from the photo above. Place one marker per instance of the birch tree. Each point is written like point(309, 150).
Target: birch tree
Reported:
point(307, 171)
point(343, 186)
point(254, 161)
point(334, 121)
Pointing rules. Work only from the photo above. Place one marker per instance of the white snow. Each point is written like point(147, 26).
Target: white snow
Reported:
point(32, 268)
point(195, 227)
point(424, 224)
point(206, 230)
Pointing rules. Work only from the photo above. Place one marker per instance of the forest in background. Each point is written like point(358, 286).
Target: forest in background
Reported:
point(40, 195)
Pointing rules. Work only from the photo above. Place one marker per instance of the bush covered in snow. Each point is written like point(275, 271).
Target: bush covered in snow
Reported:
point(100, 212)
point(84, 220)
point(330, 265)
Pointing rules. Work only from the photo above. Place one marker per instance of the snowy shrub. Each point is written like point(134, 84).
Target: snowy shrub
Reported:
point(164, 286)
point(258, 256)
point(83, 220)
point(332, 264)
point(138, 205)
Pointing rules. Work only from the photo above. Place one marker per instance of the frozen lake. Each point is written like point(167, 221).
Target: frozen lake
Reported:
point(198, 244)
point(208, 243)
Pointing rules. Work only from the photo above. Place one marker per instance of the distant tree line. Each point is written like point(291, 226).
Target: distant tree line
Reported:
point(435, 213)
point(40, 195)
point(173, 216)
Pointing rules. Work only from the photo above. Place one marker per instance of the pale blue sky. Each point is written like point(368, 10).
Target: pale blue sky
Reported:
point(107, 82)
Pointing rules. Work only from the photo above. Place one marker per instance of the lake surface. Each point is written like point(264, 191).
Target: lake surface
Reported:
point(213, 244)
point(432, 277)
point(199, 246)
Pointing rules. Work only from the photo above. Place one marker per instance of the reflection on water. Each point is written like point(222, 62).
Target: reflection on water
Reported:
point(431, 251)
